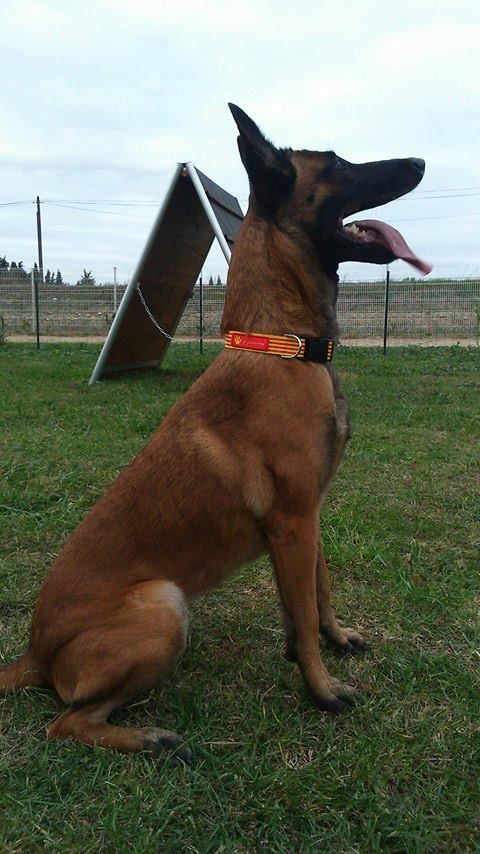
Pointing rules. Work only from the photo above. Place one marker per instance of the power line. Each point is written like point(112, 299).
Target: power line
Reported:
point(78, 204)
point(453, 193)
point(139, 216)
point(9, 204)
point(420, 194)
point(103, 202)
point(95, 210)
point(447, 216)
point(420, 198)
point(450, 189)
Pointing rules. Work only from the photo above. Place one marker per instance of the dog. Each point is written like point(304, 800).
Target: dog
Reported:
point(239, 467)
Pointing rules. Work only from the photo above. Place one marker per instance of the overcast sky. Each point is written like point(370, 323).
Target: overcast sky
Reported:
point(99, 101)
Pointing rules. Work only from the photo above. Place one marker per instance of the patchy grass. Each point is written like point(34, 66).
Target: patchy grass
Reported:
point(401, 529)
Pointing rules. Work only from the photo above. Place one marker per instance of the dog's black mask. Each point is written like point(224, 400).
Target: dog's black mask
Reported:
point(315, 191)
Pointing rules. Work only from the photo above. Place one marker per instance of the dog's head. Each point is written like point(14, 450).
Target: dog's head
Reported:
point(311, 192)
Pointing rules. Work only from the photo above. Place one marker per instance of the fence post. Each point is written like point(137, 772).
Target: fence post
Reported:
point(114, 290)
point(200, 282)
point(385, 320)
point(32, 279)
point(39, 240)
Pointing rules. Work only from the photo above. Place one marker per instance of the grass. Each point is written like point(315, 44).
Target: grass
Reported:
point(401, 531)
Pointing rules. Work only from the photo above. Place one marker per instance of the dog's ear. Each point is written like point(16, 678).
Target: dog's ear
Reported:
point(270, 170)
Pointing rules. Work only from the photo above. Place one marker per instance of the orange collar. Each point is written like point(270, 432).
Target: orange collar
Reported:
point(288, 346)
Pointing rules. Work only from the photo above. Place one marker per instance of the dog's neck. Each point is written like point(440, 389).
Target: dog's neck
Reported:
point(275, 284)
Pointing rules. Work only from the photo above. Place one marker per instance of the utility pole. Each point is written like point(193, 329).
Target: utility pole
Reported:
point(39, 240)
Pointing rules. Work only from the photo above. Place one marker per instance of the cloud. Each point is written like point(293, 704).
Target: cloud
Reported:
point(103, 98)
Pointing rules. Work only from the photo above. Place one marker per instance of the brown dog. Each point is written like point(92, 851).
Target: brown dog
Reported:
point(239, 466)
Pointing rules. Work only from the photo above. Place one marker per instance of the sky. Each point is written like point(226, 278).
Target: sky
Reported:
point(100, 100)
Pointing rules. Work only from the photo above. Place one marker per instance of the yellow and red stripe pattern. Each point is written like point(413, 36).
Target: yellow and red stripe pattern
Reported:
point(288, 346)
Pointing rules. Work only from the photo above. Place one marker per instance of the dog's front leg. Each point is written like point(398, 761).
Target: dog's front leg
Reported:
point(293, 544)
point(346, 640)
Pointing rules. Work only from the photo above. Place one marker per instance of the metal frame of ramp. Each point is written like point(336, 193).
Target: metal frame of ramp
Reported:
point(194, 213)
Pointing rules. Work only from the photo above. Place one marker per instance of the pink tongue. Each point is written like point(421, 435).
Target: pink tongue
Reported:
point(396, 243)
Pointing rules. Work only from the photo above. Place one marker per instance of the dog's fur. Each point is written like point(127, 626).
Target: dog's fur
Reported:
point(239, 466)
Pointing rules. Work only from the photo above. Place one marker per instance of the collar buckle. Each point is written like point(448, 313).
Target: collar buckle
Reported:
point(299, 347)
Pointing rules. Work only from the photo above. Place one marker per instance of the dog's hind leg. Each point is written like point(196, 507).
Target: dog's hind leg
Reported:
point(344, 639)
point(24, 672)
point(88, 725)
point(293, 544)
point(101, 669)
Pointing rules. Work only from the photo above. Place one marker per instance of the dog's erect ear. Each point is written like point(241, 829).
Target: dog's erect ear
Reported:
point(270, 170)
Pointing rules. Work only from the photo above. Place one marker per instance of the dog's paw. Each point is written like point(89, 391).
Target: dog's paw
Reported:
point(338, 698)
point(346, 641)
point(170, 745)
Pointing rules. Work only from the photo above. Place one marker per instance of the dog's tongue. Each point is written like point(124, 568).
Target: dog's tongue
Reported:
point(397, 245)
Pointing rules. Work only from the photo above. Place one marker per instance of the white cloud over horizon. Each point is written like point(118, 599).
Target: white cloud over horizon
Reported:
point(101, 99)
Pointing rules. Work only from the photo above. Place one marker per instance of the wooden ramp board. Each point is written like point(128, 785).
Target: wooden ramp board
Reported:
point(196, 211)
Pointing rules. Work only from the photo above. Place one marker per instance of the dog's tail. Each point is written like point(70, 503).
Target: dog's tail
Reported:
point(22, 673)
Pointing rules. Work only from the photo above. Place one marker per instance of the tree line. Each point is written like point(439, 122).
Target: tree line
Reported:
point(16, 272)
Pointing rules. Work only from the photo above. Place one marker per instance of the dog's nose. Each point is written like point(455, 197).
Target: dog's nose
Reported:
point(418, 164)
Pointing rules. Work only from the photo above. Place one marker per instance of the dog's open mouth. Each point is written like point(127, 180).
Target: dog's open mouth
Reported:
point(368, 185)
point(373, 231)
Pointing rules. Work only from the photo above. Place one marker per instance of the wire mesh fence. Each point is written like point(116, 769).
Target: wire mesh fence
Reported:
point(433, 311)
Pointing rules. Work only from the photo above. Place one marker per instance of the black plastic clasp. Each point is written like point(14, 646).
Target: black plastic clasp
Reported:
point(319, 350)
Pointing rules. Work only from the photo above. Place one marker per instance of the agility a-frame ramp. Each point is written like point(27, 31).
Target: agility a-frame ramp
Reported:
point(194, 213)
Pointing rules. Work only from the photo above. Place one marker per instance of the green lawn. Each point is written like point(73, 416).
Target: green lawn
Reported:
point(401, 530)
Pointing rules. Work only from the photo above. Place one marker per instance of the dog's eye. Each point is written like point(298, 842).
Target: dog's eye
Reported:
point(339, 164)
